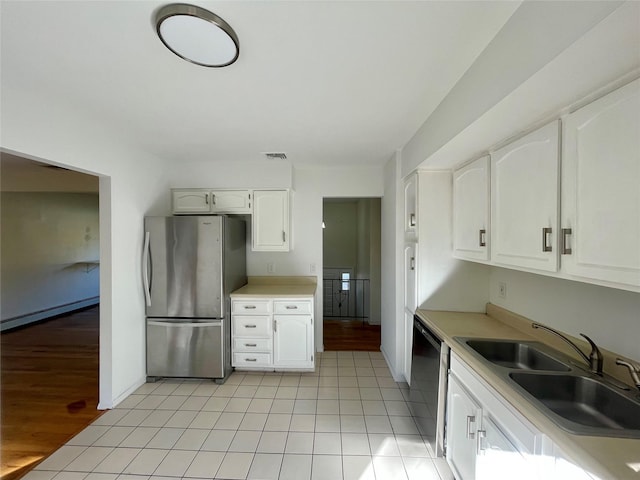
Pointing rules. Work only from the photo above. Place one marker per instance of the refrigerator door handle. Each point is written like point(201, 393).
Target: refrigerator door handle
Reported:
point(145, 271)
point(184, 324)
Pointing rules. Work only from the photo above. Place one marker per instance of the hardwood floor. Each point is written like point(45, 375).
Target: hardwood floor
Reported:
point(49, 387)
point(345, 334)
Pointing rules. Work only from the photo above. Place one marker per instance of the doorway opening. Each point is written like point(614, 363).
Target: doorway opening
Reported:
point(50, 318)
point(351, 274)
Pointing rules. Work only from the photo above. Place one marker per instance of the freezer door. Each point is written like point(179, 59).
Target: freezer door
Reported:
point(182, 266)
point(181, 349)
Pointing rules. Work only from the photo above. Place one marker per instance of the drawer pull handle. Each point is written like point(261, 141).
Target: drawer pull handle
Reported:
point(291, 307)
point(471, 419)
point(249, 307)
point(412, 220)
point(250, 344)
point(250, 359)
point(483, 238)
point(546, 234)
point(566, 250)
point(249, 326)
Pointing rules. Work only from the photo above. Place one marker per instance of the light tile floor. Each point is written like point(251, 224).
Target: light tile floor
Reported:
point(347, 420)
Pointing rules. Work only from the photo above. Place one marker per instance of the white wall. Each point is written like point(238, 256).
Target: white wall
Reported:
point(609, 316)
point(375, 250)
point(392, 324)
point(35, 126)
point(46, 238)
point(445, 283)
point(340, 246)
point(309, 186)
point(518, 51)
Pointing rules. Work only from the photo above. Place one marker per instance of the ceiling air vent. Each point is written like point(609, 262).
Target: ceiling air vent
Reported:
point(275, 155)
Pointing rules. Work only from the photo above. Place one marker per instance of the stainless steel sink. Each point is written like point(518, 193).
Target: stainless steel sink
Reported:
point(583, 404)
point(580, 402)
point(516, 354)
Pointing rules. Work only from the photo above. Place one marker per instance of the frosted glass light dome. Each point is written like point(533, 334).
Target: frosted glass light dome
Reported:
point(197, 35)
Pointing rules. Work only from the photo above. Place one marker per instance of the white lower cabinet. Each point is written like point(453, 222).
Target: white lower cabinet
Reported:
point(463, 417)
point(292, 341)
point(273, 333)
point(488, 439)
point(498, 458)
point(485, 438)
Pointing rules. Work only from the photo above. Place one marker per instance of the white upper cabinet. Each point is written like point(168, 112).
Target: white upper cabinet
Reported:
point(231, 201)
point(198, 200)
point(471, 211)
point(411, 206)
point(191, 201)
point(270, 220)
point(601, 189)
point(524, 201)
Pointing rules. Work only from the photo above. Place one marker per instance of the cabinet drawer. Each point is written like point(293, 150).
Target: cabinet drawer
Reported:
point(292, 308)
point(251, 307)
point(251, 326)
point(250, 359)
point(251, 344)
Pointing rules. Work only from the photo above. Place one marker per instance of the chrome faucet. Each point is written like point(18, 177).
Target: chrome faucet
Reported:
point(594, 360)
point(633, 371)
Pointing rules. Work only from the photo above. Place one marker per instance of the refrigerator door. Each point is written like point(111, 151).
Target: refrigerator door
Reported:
point(185, 349)
point(183, 264)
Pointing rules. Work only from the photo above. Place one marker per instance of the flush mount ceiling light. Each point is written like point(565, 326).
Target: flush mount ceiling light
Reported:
point(197, 35)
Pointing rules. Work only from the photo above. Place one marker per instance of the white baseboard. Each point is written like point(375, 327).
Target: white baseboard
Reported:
point(116, 401)
point(398, 377)
point(28, 318)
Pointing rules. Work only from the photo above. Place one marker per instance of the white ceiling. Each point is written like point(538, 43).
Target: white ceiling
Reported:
point(335, 82)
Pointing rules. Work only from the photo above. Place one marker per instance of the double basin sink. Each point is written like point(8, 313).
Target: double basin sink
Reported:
point(578, 401)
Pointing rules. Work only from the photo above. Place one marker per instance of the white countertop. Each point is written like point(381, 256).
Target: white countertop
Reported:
point(607, 457)
point(291, 287)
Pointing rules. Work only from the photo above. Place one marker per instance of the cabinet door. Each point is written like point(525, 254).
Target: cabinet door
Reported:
point(270, 220)
point(463, 422)
point(292, 341)
point(471, 211)
point(191, 201)
point(231, 201)
point(410, 276)
point(498, 458)
point(601, 189)
point(411, 206)
point(524, 200)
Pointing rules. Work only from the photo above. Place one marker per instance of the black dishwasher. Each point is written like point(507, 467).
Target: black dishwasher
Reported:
point(428, 387)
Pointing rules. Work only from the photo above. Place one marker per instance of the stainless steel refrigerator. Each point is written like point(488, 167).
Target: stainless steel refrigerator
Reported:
point(190, 266)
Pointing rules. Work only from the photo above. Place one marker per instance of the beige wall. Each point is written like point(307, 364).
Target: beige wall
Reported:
point(47, 242)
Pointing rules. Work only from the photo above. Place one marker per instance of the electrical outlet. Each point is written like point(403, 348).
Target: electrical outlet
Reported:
point(502, 290)
point(312, 268)
point(271, 267)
